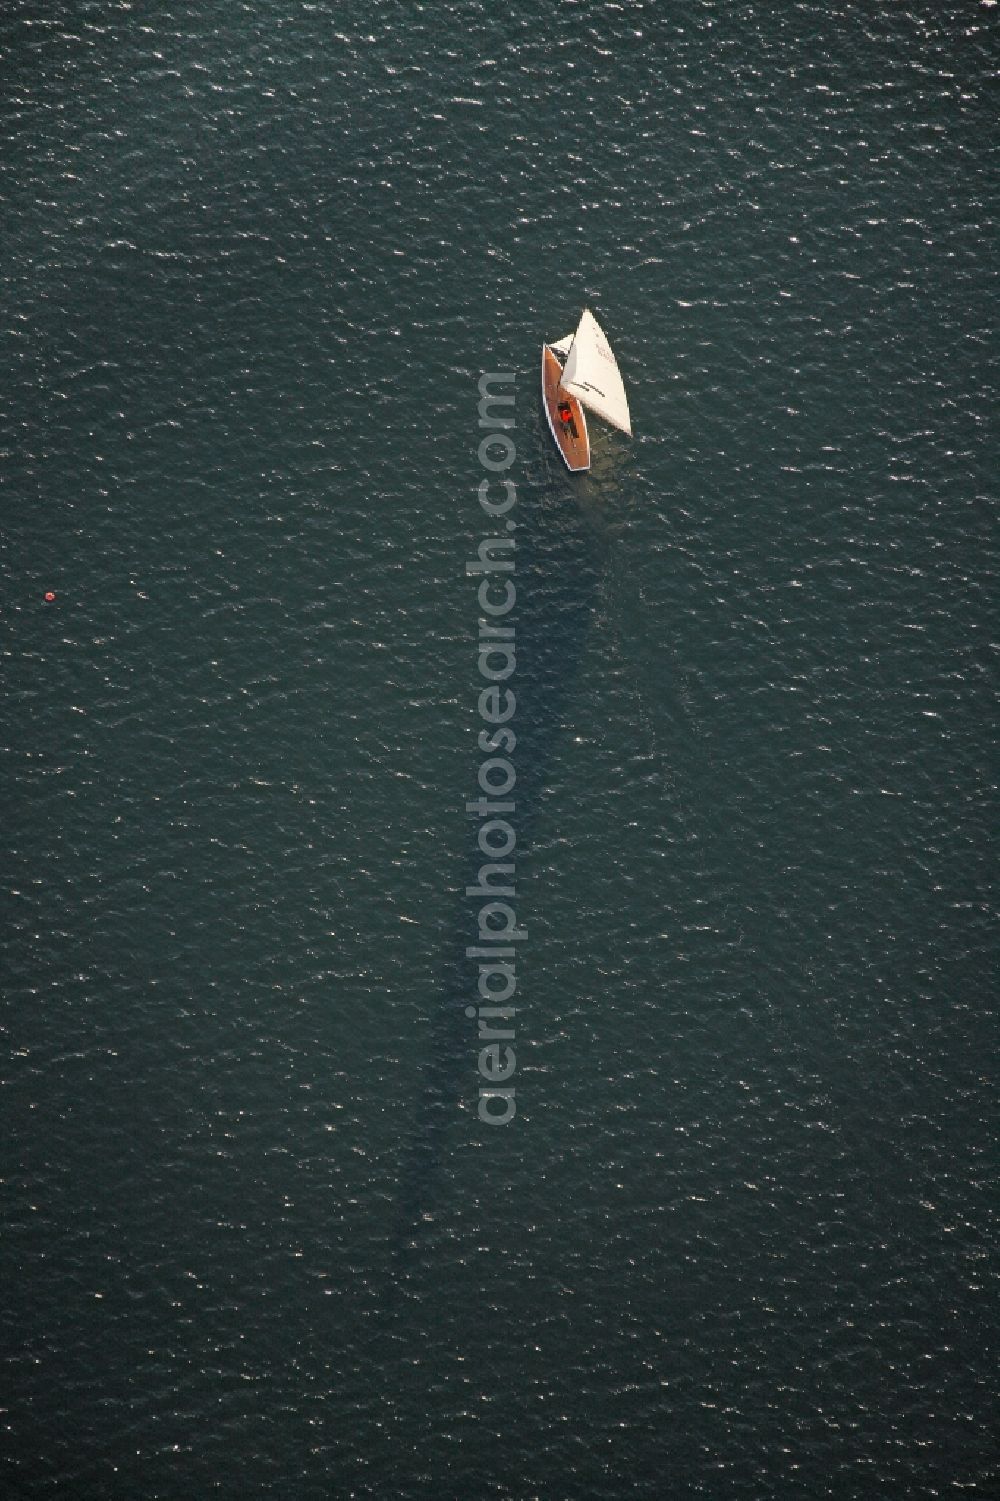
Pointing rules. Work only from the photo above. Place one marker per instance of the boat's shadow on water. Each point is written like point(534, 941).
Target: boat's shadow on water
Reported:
point(560, 563)
point(566, 544)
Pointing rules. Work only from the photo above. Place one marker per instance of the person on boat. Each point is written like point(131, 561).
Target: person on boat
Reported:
point(565, 413)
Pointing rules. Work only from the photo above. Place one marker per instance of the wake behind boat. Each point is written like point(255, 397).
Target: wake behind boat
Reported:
point(590, 378)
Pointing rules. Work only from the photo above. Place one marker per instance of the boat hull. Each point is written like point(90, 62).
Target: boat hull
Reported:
point(572, 439)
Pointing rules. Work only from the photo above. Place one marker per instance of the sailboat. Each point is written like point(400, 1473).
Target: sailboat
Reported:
point(589, 378)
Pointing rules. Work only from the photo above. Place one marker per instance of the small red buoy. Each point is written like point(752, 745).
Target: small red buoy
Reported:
point(49, 597)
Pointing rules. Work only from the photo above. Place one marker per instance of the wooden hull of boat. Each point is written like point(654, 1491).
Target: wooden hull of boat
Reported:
point(572, 440)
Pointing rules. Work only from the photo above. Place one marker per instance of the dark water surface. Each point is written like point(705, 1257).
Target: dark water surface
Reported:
point(740, 1240)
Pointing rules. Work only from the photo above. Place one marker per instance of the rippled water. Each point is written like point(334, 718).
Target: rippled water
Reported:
point(740, 1239)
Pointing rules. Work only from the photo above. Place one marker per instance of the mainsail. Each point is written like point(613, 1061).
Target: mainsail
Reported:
point(591, 374)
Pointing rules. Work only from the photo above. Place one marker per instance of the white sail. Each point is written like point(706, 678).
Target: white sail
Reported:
point(561, 346)
point(591, 374)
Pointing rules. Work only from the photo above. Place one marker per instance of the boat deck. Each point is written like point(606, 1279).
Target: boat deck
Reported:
point(572, 438)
